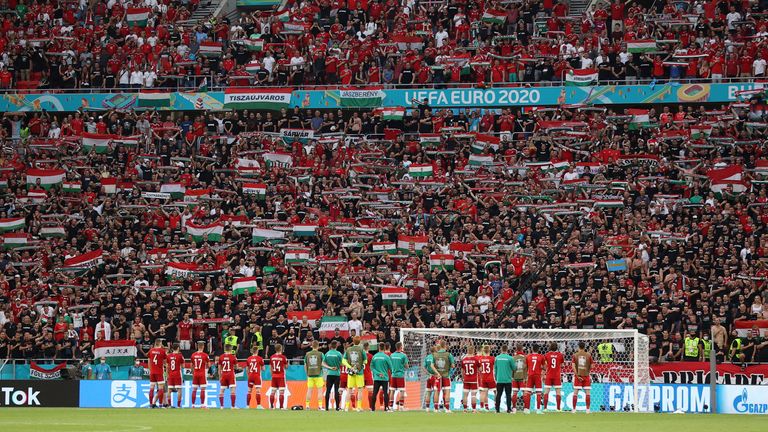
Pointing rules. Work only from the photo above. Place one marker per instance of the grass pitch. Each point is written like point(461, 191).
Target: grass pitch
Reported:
point(144, 420)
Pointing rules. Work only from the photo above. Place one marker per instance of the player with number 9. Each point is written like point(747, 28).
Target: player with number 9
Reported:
point(553, 362)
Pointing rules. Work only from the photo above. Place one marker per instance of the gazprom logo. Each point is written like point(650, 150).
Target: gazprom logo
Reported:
point(741, 404)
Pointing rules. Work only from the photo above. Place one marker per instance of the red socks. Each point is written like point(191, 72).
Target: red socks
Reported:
point(232, 397)
point(221, 400)
point(559, 399)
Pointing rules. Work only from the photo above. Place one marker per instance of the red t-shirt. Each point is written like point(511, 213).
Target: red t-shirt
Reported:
point(199, 363)
point(554, 361)
point(278, 363)
point(227, 363)
point(470, 367)
point(534, 362)
point(486, 366)
point(157, 358)
point(255, 365)
point(175, 362)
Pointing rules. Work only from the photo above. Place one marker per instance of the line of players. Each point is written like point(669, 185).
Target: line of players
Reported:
point(507, 375)
point(347, 375)
point(165, 372)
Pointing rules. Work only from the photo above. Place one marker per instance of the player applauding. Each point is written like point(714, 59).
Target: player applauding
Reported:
point(553, 362)
point(156, 356)
point(534, 363)
point(175, 361)
point(470, 367)
point(227, 364)
point(200, 362)
point(278, 363)
point(582, 366)
point(254, 365)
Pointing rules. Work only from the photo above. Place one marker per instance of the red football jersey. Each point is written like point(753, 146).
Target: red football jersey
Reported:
point(554, 361)
point(227, 363)
point(175, 362)
point(278, 363)
point(534, 362)
point(157, 358)
point(486, 366)
point(200, 363)
point(255, 365)
point(470, 368)
point(367, 375)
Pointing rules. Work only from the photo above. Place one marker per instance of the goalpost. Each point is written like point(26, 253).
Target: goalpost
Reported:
point(620, 381)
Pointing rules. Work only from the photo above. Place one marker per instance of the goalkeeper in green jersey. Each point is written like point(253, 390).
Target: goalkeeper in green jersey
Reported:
point(355, 359)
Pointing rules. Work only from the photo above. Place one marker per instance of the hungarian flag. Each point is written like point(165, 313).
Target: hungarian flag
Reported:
point(193, 195)
point(313, 317)
point(394, 295)
point(14, 240)
point(412, 244)
point(278, 159)
point(109, 185)
point(283, 16)
point(45, 178)
point(12, 224)
point(137, 16)
point(641, 46)
point(441, 261)
point(494, 16)
point(330, 324)
point(210, 49)
point(387, 247)
point(482, 141)
point(261, 234)
point(180, 270)
point(365, 97)
point(258, 189)
point(581, 77)
point(117, 352)
point(52, 231)
point(722, 178)
point(394, 113)
point(154, 99)
point(84, 261)
point(253, 67)
point(406, 42)
point(640, 118)
point(247, 167)
point(96, 142)
point(746, 327)
point(176, 190)
point(213, 232)
point(255, 45)
point(700, 131)
point(478, 160)
point(420, 170)
point(305, 230)
point(72, 187)
point(429, 140)
point(555, 167)
point(246, 285)
point(258, 98)
point(296, 256)
point(415, 282)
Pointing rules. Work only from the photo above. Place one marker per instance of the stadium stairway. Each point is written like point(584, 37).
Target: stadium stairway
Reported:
point(578, 7)
point(206, 9)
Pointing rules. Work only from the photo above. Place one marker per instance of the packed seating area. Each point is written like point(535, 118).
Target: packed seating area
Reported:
point(106, 44)
point(188, 226)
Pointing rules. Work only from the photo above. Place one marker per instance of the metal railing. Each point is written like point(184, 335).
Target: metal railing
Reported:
point(425, 86)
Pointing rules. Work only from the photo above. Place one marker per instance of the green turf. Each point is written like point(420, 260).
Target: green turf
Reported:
point(134, 420)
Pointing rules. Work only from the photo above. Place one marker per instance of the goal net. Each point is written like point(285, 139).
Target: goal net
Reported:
point(619, 375)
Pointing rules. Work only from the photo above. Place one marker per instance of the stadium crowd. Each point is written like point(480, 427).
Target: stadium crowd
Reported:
point(111, 44)
point(539, 218)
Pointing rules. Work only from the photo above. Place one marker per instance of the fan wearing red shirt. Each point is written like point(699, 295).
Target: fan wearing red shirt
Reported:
point(227, 364)
point(534, 361)
point(156, 358)
point(174, 361)
point(200, 363)
point(277, 363)
point(254, 366)
point(470, 368)
point(553, 363)
point(487, 380)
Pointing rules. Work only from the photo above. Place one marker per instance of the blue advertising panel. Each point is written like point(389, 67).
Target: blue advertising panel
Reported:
point(135, 394)
point(469, 97)
point(742, 399)
point(688, 398)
